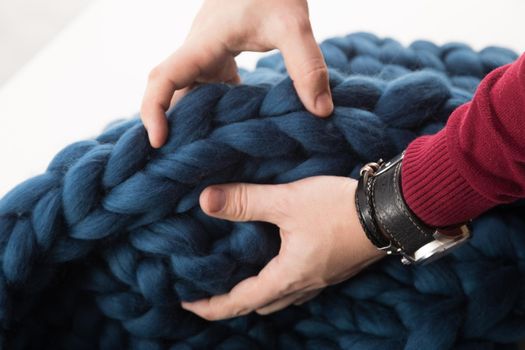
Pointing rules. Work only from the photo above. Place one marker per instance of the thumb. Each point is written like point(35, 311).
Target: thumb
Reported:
point(245, 202)
point(307, 68)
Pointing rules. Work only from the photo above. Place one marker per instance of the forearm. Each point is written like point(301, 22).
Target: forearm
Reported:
point(477, 161)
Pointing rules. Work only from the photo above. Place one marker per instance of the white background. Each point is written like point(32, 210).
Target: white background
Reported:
point(95, 70)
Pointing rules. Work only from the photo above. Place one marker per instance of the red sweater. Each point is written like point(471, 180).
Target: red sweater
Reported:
point(477, 161)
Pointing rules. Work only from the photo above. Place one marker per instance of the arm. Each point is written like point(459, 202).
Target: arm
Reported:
point(312, 213)
point(467, 167)
point(478, 160)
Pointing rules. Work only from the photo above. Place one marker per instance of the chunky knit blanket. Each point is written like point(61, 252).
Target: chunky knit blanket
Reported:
point(98, 251)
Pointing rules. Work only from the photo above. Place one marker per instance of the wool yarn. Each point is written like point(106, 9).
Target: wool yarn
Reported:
point(98, 251)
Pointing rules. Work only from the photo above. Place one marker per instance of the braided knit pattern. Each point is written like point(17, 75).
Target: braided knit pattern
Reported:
point(98, 251)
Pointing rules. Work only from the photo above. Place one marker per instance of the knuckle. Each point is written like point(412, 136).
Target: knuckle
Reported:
point(208, 315)
point(315, 70)
point(293, 23)
point(279, 286)
point(290, 285)
point(155, 73)
point(239, 202)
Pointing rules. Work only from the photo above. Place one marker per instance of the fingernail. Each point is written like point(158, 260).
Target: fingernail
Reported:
point(323, 102)
point(216, 200)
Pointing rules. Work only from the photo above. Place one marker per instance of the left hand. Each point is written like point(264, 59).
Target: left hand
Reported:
point(322, 242)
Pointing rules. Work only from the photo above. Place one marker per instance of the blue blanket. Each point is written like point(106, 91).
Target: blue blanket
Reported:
point(98, 251)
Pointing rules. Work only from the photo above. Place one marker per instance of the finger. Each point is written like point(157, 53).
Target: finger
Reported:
point(176, 72)
point(308, 296)
point(230, 72)
point(280, 304)
point(307, 68)
point(235, 79)
point(295, 298)
point(246, 202)
point(246, 296)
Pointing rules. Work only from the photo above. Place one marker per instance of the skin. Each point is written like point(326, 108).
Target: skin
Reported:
point(222, 30)
point(322, 241)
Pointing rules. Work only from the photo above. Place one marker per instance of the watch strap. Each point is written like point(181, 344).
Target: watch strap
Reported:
point(393, 217)
point(365, 211)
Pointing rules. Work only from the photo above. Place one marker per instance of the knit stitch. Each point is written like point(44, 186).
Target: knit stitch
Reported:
point(98, 251)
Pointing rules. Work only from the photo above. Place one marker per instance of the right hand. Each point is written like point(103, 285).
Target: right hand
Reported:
point(222, 30)
point(322, 242)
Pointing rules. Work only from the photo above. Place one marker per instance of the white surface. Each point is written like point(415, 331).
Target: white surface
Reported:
point(26, 25)
point(95, 70)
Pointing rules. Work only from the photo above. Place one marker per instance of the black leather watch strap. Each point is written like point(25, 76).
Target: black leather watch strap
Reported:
point(390, 224)
point(365, 211)
point(392, 213)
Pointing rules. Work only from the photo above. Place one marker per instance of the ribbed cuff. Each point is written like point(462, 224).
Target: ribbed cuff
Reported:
point(432, 186)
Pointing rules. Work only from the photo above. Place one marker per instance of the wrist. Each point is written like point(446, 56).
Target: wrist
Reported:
point(389, 223)
point(370, 249)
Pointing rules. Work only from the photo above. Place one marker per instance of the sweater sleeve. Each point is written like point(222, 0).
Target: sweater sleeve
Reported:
point(477, 161)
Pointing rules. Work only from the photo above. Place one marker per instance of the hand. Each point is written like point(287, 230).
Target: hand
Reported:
point(322, 242)
point(222, 30)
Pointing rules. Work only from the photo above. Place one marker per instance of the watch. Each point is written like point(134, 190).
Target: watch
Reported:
point(391, 225)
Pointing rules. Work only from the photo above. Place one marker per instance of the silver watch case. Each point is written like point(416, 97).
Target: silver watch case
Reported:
point(442, 245)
